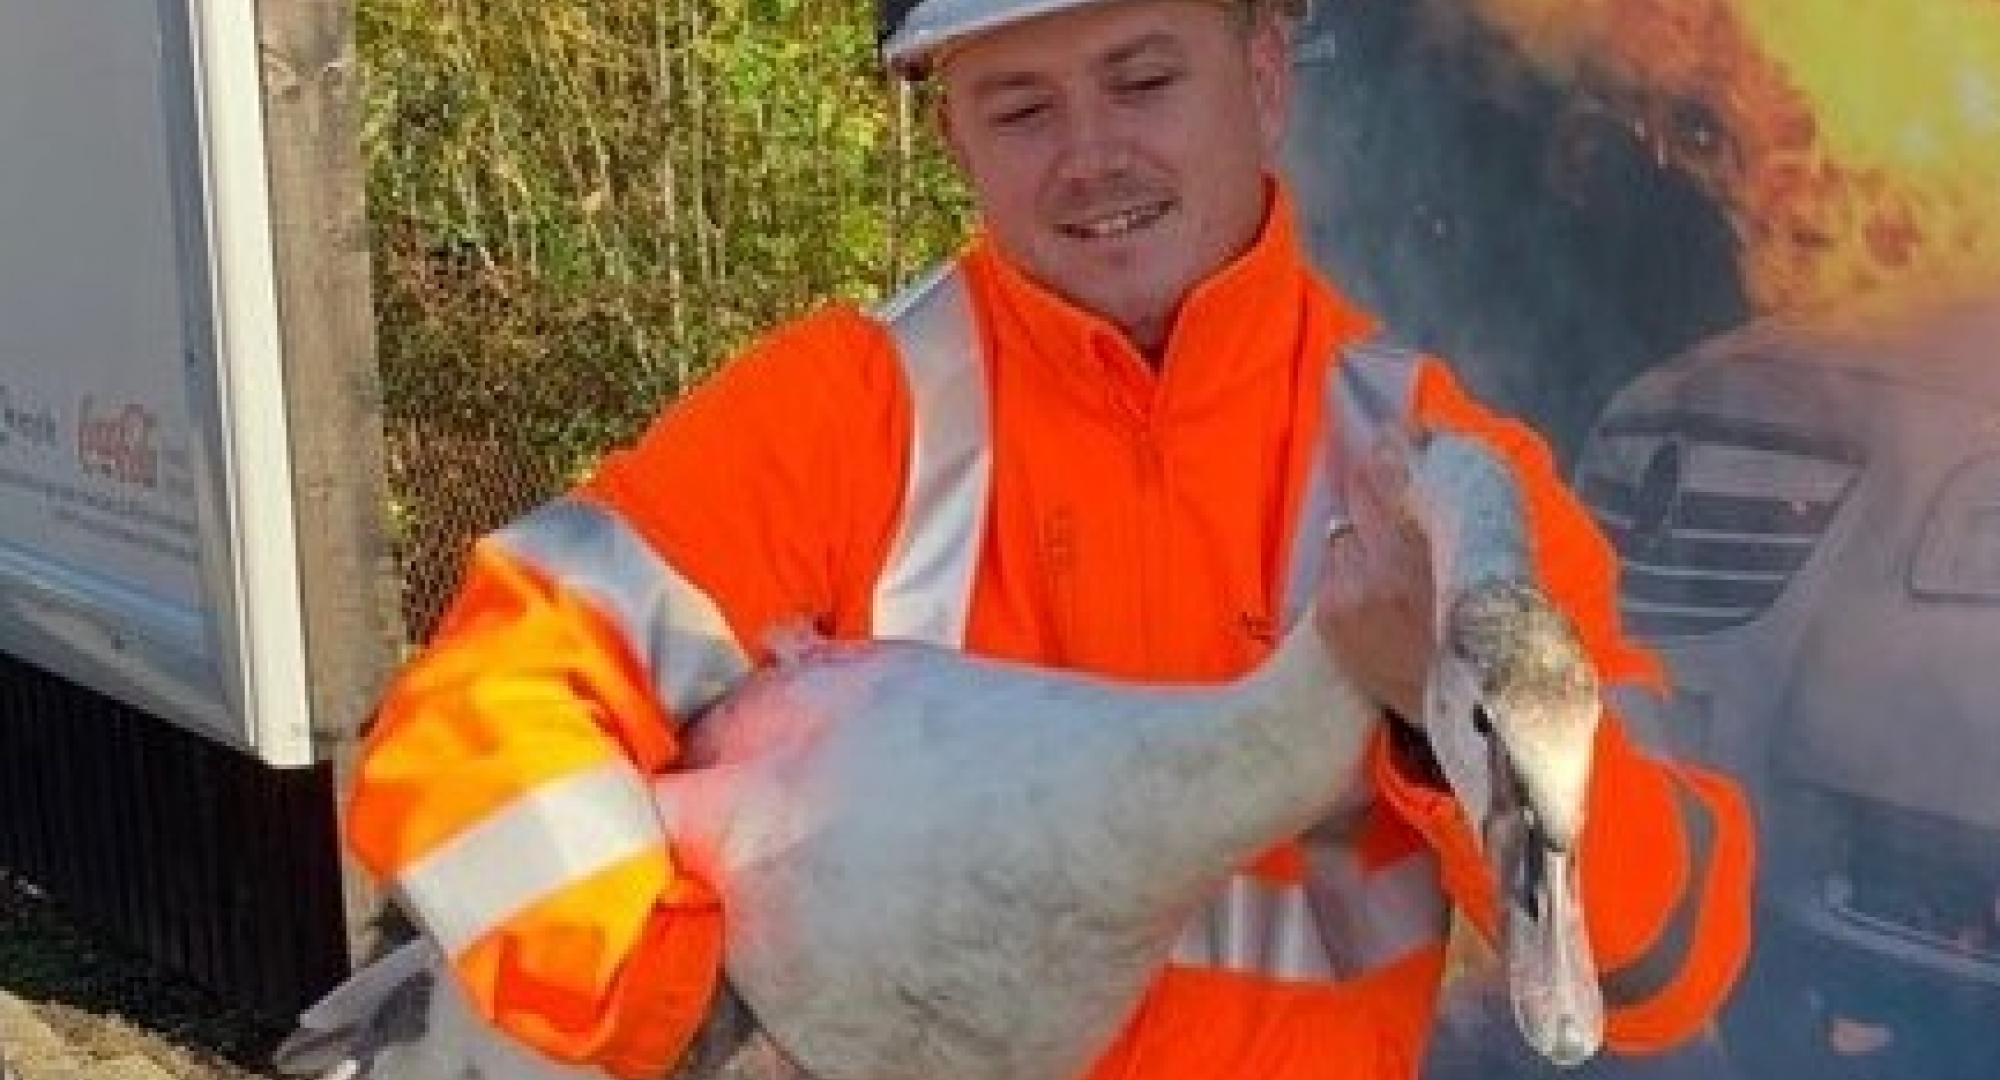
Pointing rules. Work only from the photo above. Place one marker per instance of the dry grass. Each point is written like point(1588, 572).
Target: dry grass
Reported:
point(104, 1005)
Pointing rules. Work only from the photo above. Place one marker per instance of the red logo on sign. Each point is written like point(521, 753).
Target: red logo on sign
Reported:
point(119, 444)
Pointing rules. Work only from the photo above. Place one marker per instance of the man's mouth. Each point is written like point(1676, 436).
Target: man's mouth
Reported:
point(1122, 223)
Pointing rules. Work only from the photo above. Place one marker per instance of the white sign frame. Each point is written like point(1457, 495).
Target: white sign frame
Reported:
point(233, 666)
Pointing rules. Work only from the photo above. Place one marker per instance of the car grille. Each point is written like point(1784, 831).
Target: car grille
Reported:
point(1711, 517)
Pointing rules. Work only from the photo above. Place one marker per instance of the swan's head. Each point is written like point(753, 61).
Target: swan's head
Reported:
point(1511, 712)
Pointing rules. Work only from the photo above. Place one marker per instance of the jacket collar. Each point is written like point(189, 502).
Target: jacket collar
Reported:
point(1248, 317)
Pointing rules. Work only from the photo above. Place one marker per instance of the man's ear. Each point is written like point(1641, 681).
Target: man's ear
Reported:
point(1271, 78)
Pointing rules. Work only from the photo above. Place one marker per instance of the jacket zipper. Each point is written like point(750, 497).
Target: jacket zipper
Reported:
point(1059, 559)
point(1152, 554)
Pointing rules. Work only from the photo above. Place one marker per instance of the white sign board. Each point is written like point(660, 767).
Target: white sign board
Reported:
point(146, 538)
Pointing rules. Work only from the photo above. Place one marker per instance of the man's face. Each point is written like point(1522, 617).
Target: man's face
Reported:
point(1117, 151)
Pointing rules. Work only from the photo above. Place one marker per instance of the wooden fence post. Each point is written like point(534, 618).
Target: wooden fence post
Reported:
point(312, 114)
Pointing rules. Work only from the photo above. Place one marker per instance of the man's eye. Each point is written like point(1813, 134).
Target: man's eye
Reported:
point(1018, 116)
point(1147, 85)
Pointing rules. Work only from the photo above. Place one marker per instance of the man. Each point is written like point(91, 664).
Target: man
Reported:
point(1086, 444)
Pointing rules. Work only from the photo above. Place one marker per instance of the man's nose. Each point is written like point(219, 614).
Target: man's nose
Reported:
point(1095, 142)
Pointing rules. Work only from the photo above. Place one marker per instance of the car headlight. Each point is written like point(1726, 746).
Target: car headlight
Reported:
point(1959, 555)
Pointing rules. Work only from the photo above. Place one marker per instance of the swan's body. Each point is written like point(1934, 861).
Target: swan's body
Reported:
point(941, 866)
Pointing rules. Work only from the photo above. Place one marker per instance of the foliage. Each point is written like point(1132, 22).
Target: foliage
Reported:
point(579, 208)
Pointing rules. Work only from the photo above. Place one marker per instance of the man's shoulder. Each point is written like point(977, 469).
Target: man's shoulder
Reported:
point(857, 348)
point(830, 354)
point(831, 333)
point(812, 391)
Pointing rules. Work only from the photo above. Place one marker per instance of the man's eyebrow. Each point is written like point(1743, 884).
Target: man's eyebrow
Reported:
point(1158, 41)
point(1002, 82)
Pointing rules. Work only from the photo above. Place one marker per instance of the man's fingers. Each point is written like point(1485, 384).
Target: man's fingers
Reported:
point(1374, 599)
point(1390, 460)
point(1381, 518)
point(1366, 504)
point(1346, 568)
point(1345, 552)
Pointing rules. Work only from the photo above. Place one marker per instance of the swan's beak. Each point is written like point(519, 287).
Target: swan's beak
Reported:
point(1528, 815)
point(1551, 977)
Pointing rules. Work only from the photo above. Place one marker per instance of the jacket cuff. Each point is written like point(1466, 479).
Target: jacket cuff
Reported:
point(615, 973)
point(1407, 779)
point(1664, 992)
point(669, 984)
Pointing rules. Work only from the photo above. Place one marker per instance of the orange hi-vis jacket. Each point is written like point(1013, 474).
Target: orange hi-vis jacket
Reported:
point(983, 465)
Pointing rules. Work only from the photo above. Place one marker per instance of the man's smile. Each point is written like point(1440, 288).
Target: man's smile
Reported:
point(1121, 223)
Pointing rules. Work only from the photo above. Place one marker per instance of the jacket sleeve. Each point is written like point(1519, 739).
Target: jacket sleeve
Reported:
point(503, 793)
point(1668, 847)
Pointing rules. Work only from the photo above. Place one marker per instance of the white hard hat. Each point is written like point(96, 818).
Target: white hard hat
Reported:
point(911, 31)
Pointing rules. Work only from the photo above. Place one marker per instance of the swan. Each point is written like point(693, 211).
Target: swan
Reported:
point(941, 865)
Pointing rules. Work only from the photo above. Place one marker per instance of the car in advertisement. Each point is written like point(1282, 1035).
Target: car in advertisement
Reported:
point(1807, 516)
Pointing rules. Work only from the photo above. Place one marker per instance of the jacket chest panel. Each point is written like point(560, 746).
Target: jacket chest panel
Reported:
point(1130, 550)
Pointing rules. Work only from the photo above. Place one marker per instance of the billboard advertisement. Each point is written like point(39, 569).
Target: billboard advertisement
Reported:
point(146, 540)
point(1740, 261)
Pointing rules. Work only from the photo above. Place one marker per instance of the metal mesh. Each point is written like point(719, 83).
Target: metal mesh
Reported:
point(450, 488)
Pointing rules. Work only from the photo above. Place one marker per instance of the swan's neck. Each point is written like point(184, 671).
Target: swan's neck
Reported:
point(1471, 511)
point(1288, 743)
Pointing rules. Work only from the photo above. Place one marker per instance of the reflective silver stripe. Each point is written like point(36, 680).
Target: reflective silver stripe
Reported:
point(925, 591)
point(1256, 927)
point(1308, 538)
point(1374, 384)
point(549, 838)
point(1370, 385)
point(1283, 932)
point(1372, 918)
point(673, 627)
point(1645, 978)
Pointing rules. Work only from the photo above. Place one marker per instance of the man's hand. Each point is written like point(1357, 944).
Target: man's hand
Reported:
point(1377, 611)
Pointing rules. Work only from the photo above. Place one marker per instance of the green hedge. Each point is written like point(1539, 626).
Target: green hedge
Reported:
point(579, 207)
